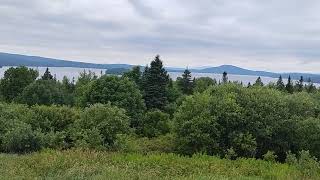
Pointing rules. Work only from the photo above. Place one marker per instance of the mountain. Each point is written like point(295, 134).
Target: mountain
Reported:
point(36, 61)
point(240, 71)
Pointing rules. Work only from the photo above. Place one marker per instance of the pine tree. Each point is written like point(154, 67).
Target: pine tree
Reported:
point(224, 77)
point(47, 75)
point(154, 84)
point(280, 85)
point(258, 82)
point(310, 87)
point(134, 75)
point(185, 83)
point(299, 85)
point(289, 86)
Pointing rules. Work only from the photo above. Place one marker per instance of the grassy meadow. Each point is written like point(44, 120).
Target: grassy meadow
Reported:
point(85, 164)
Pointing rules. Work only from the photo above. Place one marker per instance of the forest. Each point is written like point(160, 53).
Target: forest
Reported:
point(145, 114)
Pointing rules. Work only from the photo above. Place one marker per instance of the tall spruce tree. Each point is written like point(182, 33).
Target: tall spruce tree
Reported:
point(185, 83)
point(280, 85)
point(289, 86)
point(225, 77)
point(310, 87)
point(134, 75)
point(299, 85)
point(155, 80)
point(47, 75)
point(258, 82)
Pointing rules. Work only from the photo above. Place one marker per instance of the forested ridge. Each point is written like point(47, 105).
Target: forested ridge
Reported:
point(144, 111)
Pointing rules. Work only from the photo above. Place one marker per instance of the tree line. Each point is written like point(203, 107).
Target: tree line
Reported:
point(185, 116)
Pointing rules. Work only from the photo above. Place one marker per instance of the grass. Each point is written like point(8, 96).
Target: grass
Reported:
point(83, 164)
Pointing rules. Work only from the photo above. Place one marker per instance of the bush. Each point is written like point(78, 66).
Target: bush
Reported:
point(20, 139)
point(133, 144)
point(249, 120)
point(42, 92)
point(53, 118)
point(307, 164)
point(270, 156)
point(120, 92)
point(155, 123)
point(99, 125)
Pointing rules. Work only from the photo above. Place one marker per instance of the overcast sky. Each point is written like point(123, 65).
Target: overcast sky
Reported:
point(275, 35)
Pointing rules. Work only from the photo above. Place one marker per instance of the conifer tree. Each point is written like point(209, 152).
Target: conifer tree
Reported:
point(289, 86)
point(299, 85)
point(185, 83)
point(258, 82)
point(225, 77)
point(47, 75)
point(154, 84)
point(310, 87)
point(280, 85)
point(134, 75)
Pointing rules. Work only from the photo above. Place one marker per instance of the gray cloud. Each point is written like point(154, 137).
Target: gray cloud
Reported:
point(266, 35)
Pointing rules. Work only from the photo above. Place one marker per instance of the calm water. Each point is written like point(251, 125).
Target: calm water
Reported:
point(70, 72)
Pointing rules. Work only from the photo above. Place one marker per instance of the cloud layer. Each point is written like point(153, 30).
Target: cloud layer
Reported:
point(265, 35)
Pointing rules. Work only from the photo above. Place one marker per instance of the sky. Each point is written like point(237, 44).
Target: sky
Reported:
point(273, 35)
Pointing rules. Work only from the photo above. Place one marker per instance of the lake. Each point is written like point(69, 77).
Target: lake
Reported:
point(70, 72)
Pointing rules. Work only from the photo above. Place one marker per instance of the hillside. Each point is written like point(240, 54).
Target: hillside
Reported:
point(22, 60)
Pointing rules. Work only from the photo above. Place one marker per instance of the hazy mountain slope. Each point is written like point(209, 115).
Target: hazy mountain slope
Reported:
point(22, 60)
point(19, 60)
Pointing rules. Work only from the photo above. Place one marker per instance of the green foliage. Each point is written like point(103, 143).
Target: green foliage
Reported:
point(308, 165)
point(289, 87)
point(82, 87)
point(132, 144)
point(99, 125)
point(155, 123)
point(197, 130)
point(251, 121)
point(134, 75)
point(43, 92)
point(280, 85)
point(15, 80)
point(225, 77)
point(270, 156)
point(80, 164)
point(299, 85)
point(203, 83)
point(120, 92)
point(47, 75)
point(20, 139)
point(258, 82)
point(154, 84)
point(186, 84)
point(53, 118)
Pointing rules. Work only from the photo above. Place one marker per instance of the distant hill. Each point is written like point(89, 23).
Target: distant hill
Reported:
point(35, 61)
point(240, 71)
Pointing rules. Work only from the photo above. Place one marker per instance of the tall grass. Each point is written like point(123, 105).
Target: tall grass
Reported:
point(85, 164)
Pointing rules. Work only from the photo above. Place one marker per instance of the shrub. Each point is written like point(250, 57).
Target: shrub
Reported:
point(99, 125)
point(155, 123)
point(42, 92)
point(20, 139)
point(131, 143)
point(53, 118)
point(120, 92)
point(307, 164)
point(270, 156)
point(291, 158)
